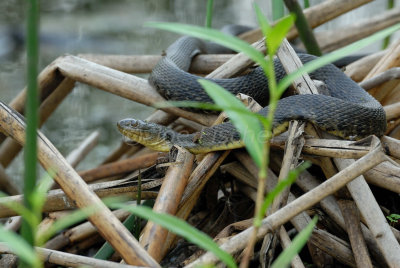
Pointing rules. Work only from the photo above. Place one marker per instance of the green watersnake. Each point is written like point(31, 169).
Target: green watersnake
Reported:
point(346, 110)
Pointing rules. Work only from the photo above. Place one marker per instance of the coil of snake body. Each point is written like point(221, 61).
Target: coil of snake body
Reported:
point(346, 110)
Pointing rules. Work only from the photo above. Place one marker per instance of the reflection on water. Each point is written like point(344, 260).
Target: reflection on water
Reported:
point(105, 26)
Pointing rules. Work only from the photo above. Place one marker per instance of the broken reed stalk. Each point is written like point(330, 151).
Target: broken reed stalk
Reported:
point(119, 167)
point(136, 64)
point(109, 226)
point(153, 236)
point(79, 232)
point(10, 148)
point(357, 31)
point(352, 220)
point(238, 242)
point(329, 243)
point(377, 80)
point(359, 69)
point(373, 216)
point(68, 259)
point(324, 241)
point(315, 15)
point(57, 200)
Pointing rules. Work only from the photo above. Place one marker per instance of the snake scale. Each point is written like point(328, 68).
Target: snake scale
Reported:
point(346, 110)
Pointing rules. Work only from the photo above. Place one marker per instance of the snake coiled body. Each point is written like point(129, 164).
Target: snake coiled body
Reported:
point(346, 110)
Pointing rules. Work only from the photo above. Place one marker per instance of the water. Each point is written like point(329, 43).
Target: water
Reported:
point(112, 27)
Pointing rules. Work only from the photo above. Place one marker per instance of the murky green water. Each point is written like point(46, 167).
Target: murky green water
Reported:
point(112, 27)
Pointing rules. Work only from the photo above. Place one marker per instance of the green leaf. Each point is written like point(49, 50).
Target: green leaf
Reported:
point(226, 40)
point(331, 57)
point(274, 34)
point(39, 194)
point(247, 124)
point(298, 243)
point(181, 228)
point(279, 32)
point(20, 247)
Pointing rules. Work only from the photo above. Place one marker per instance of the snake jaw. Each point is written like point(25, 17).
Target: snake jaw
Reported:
point(145, 133)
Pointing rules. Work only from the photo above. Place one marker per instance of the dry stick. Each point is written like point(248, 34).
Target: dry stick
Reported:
point(325, 241)
point(327, 147)
point(392, 145)
point(389, 60)
point(10, 148)
point(307, 182)
point(48, 79)
point(153, 236)
point(357, 31)
point(360, 68)
point(121, 84)
point(377, 80)
point(109, 226)
point(302, 203)
point(119, 167)
point(386, 176)
point(373, 216)
point(392, 111)
point(68, 259)
point(79, 232)
point(201, 64)
point(56, 200)
point(316, 15)
point(352, 220)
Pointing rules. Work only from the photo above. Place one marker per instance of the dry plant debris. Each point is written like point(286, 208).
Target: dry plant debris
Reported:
point(216, 192)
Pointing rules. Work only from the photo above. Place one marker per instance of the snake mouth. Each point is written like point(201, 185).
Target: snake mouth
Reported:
point(145, 133)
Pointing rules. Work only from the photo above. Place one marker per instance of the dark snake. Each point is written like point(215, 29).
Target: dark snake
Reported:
point(345, 110)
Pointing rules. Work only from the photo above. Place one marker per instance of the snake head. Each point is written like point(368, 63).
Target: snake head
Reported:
point(149, 134)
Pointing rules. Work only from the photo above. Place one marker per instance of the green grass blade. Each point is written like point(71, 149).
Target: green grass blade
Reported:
point(32, 49)
point(247, 124)
point(209, 14)
point(20, 247)
point(276, 33)
point(331, 57)
point(181, 228)
point(226, 40)
point(298, 243)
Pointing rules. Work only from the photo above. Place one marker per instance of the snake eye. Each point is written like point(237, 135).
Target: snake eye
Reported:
point(134, 123)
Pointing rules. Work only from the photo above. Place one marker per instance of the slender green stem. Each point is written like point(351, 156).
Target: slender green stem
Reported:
point(209, 15)
point(305, 32)
point(32, 49)
point(306, 4)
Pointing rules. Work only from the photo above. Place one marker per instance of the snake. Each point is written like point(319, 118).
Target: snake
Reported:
point(344, 109)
